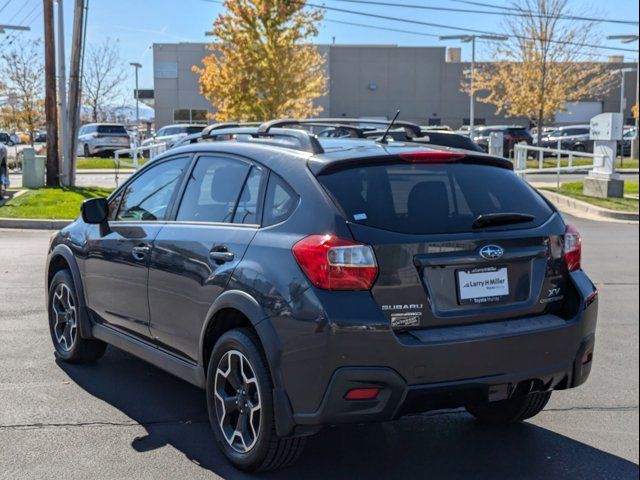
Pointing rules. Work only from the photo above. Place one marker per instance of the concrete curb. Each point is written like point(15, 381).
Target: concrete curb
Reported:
point(33, 223)
point(562, 201)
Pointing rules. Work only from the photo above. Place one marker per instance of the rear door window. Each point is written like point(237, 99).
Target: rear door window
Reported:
point(247, 210)
point(213, 190)
point(428, 199)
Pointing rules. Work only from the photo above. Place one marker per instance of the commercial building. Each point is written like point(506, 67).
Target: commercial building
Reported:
point(369, 81)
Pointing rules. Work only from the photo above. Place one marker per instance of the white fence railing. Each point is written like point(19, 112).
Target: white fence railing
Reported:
point(524, 152)
point(135, 153)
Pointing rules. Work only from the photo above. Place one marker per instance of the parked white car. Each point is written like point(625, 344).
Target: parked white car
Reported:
point(102, 138)
point(172, 134)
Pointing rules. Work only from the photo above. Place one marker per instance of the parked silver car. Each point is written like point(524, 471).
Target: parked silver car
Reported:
point(172, 134)
point(102, 138)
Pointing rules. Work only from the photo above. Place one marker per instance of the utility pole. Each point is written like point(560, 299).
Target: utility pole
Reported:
point(53, 165)
point(73, 112)
point(62, 97)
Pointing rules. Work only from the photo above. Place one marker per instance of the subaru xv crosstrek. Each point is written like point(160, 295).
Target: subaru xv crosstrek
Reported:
point(306, 283)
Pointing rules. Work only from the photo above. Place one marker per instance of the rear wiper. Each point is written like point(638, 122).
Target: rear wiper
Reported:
point(497, 219)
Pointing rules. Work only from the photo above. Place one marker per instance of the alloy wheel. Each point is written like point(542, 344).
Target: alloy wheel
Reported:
point(237, 400)
point(64, 311)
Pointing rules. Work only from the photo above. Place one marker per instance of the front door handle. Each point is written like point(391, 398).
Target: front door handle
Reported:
point(140, 251)
point(220, 254)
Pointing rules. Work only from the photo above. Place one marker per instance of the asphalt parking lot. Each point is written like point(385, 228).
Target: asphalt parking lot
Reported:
point(122, 418)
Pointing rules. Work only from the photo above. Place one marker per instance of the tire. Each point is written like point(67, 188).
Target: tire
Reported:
point(261, 451)
point(63, 323)
point(87, 151)
point(580, 148)
point(510, 411)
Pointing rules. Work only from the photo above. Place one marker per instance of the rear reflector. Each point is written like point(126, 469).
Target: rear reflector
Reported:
point(572, 248)
point(431, 156)
point(362, 394)
point(334, 263)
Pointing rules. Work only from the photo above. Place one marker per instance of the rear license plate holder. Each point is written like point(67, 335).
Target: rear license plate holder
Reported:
point(482, 286)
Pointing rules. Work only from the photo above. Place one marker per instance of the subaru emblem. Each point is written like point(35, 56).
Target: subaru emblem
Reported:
point(491, 252)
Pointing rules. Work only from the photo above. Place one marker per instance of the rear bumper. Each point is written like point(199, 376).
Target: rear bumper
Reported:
point(447, 368)
point(397, 398)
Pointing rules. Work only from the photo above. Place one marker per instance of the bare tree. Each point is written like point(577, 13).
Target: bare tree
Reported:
point(545, 64)
point(22, 73)
point(104, 74)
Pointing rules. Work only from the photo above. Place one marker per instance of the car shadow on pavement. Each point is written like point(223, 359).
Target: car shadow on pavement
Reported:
point(435, 445)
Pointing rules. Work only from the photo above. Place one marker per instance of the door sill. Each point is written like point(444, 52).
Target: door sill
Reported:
point(187, 371)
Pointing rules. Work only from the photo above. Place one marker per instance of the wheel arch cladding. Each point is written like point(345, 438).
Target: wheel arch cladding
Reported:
point(237, 309)
point(62, 258)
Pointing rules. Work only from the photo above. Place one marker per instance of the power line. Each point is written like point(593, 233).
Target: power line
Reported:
point(460, 29)
point(510, 13)
point(423, 34)
point(5, 5)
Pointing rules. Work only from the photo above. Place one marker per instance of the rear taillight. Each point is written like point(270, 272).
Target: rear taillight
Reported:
point(333, 263)
point(431, 156)
point(572, 248)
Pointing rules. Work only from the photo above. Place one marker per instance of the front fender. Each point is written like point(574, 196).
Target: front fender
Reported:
point(65, 252)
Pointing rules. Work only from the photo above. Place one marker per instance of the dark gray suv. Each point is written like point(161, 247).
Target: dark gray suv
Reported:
point(306, 283)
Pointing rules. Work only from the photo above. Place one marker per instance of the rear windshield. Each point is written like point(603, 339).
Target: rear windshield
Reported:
point(112, 129)
point(426, 199)
point(192, 130)
point(518, 131)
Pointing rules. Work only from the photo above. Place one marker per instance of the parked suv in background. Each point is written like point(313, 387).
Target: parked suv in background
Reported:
point(172, 134)
point(573, 137)
point(6, 139)
point(306, 283)
point(102, 139)
point(513, 134)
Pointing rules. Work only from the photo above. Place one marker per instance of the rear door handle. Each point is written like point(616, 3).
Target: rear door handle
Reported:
point(220, 254)
point(140, 251)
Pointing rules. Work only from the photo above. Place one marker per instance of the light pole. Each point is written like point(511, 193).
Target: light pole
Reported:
point(622, 71)
point(137, 67)
point(630, 39)
point(472, 39)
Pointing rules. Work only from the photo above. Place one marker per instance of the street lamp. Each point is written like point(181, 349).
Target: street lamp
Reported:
point(630, 39)
point(472, 39)
point(622, 71)
point(137, 66)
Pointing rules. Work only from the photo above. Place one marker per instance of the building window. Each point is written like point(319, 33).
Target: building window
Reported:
point(476, 121)
point(185, 115)
point(435, 121)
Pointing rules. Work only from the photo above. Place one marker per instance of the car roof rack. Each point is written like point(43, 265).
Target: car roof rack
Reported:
point(269, 132)
point(303, 140)
point(412, 129)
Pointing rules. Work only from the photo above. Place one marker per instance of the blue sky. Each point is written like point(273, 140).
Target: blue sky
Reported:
point(137, 24)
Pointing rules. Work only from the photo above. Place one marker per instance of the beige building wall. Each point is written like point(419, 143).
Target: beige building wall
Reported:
point(364, 81)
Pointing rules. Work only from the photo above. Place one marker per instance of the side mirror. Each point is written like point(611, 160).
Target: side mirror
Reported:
point(95, 210)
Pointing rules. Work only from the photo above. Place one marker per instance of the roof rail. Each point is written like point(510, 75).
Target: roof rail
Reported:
point(305, 141)
point(412, 129)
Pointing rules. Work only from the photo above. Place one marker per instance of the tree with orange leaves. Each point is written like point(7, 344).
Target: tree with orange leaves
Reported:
point(263, 63)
